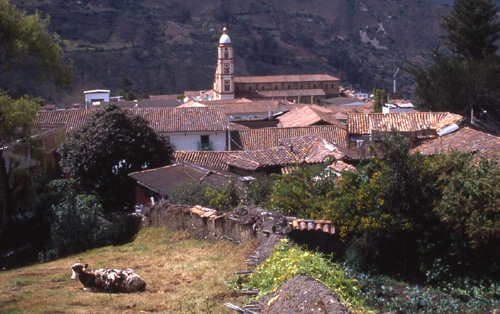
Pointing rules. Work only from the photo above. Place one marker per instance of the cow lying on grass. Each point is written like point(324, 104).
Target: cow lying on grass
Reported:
point(108, 280)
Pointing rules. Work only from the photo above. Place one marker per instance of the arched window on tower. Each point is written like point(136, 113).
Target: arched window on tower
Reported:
point(226, 68)
point(226, 86)
point(226, 54)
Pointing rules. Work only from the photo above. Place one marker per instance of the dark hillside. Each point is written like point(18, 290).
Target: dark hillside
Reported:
point(156, 47)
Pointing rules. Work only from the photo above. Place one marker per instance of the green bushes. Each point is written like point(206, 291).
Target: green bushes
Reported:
point(305, 192)
point(405, 214)
point(73, 220)
point(288, 261)
point(225, 198)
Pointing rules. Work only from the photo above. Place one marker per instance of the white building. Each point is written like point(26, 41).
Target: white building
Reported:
point(397, 108)
point(96, 96)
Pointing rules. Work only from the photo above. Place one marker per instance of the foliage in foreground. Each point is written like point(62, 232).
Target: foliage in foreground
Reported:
point(288, 261)
point(406, 214)
point(73, 221)
point(386, 295)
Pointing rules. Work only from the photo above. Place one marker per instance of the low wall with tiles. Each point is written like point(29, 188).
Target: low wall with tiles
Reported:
point(203, 223)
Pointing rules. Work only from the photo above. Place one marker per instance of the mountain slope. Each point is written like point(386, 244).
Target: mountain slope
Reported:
point(155, 47)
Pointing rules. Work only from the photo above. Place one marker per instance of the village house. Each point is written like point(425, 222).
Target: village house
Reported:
point(290, 152)
point(255, 139)
point(187, 129)
point(245, 109)
point(464, 139)
point(308, 116)
point(155, 185)
point(417, 126)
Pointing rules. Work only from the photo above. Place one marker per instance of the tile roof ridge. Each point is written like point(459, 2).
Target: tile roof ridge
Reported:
point(155, 169)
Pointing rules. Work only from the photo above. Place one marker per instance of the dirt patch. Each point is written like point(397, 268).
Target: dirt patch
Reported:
point(301, 294)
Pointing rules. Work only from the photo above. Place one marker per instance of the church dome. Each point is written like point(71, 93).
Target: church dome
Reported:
point(224, 39)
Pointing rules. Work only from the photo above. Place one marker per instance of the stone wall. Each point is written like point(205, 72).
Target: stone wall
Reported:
point(242, 225)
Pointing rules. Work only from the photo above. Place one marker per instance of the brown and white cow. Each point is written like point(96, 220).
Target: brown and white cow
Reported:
point(108, 280)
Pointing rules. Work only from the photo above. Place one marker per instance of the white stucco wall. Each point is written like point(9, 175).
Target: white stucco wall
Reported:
point(188, 141)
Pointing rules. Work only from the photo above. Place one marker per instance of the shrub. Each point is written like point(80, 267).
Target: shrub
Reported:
point(288, 261)
point(74, 222)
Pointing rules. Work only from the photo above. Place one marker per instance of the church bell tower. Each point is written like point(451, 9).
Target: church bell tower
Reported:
point(224, 74)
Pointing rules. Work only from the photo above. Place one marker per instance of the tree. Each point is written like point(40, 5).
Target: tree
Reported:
point(464, 77)
point(112, 144)
point(379, 99)
point(472, 28)
point(383, 207)
point(25, 45)
point(303, 193)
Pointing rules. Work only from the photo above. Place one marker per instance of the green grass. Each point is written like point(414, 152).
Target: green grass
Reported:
point(183, 275)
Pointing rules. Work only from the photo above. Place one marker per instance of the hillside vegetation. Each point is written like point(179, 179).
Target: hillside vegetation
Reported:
point(163, 47)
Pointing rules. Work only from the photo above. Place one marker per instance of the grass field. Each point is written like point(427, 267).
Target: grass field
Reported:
point(183, 275)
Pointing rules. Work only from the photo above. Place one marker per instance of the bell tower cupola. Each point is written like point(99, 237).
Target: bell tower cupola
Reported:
point(224, 74)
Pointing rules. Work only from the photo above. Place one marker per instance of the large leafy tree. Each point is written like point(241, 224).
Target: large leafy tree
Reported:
point(25, 46)
point(112, 144)
point(464, 77)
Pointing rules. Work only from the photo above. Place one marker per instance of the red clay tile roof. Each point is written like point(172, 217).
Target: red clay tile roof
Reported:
point(307, 116)
point(465, 139)
point(251, 106)
point(285, 78)
point(204, 158)
point(402, 122)
point(340, 166)
point(266, 138)
point(305, 149)
point(162, 120)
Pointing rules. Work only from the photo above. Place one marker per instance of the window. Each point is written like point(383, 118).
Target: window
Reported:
point(301, 86)
point(276, 87)
point(227, 88)
point(288, 86)
point(226, 54)
point(205, 139)
point(250, 88)
point(204, 144)
point(226, 68)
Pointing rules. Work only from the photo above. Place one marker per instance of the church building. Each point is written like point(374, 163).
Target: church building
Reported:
point(300, 88)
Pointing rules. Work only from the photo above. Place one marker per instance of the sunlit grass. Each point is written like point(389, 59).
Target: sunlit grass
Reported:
point(183, 275)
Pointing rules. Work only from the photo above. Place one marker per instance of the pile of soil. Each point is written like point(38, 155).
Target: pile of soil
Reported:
point(302, 294)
